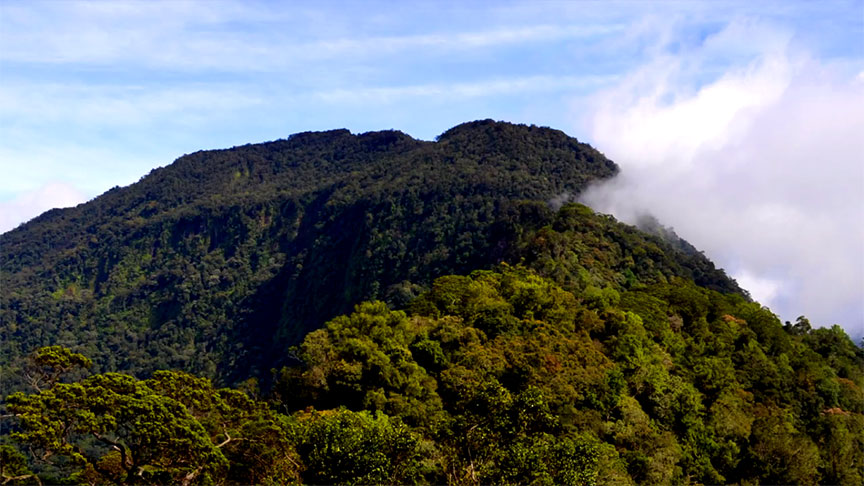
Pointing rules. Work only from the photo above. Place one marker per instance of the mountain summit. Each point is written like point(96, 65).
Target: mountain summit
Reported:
point(217, 262)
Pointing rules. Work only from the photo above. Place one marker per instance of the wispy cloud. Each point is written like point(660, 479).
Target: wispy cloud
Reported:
point(455, 91)
point(460, 40)
point(227, 36)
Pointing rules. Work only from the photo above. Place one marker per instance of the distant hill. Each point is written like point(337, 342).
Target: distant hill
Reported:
point(217, 262)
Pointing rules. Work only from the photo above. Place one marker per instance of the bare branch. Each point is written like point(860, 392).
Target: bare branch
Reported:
point(7, 479)
point(227, 440)
point(33, 381)
point(192, 475)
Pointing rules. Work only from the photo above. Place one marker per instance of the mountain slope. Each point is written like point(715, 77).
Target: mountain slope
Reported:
point(217, 262)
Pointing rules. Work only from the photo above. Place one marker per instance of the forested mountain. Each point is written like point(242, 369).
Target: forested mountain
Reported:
point(217, 262)
point(415, 312)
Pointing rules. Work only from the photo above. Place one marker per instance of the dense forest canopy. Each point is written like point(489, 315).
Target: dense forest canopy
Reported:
point(498, 377)
point(351, 309)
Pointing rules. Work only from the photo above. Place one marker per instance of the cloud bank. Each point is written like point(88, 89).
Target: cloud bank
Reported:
point(762, 167)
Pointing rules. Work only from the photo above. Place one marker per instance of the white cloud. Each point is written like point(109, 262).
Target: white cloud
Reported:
point(761, 289)
point(763, 167)
point(28, 205)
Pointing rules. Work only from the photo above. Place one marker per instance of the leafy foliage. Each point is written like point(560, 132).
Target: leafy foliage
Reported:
point(173, 428)
point(47, 365)
point(520, 381)
point(13, 467)
point(343, 447)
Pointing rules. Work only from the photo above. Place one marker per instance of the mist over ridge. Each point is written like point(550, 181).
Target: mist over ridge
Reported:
point(760, 168)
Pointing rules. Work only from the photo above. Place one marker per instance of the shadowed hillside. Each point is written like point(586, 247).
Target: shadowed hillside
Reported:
point(217, 262)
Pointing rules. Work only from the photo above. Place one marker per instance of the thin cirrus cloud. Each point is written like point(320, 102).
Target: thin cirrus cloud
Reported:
point(761, 168)
point(478, 89)
point(144, 35)
point(461, 41)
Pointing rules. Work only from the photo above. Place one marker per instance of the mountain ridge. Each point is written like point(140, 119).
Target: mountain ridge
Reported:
point(278, 237)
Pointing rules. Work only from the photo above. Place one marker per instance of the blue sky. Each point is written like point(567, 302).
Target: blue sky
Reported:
point(734, 122)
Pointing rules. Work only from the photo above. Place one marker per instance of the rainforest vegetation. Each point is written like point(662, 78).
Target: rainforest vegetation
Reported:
point(372, 309)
